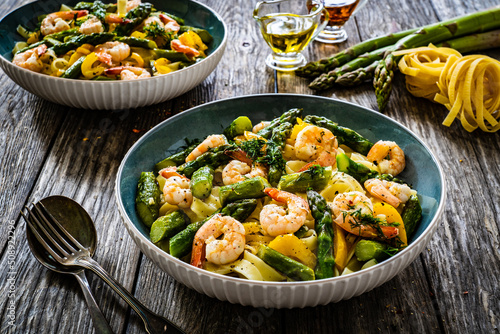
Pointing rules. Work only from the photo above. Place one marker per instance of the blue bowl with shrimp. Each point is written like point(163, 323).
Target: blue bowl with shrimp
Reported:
point(112, 95)
point(422, 172)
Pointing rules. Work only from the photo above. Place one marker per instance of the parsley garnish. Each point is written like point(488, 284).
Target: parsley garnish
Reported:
point(360, 219)
point(155, 30)
point(260, 151)
point(391, 251)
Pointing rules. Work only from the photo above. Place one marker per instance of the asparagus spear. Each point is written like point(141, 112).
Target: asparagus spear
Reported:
point(73, 43)
point(99, 9)
point(315, 177)
point(344, 135)
point(324, 228)
point(327, 80)
point(358, 76)
point(469, 43)
point(178, 158)
point(315, 68)
point(59, 36)
point(475, 42)
point(274, 149)
point(288, 116)
point(434, 33)
point(360, 172)
point(133, 18)
point(213, 158)
point(110, 8)
point(412, 213)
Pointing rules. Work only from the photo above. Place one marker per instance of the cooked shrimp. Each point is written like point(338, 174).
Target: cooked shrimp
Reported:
point(171, 25)
point(276, 220)
point(177, 45)
point(382, 149)
point(210, 142)
point(56, 22)
point(134, 73)
point(312, 141)
point(176, 190)
point(260, 126)
point(236, 171)
point(324, 159)
point(128, 72)
point(131, 4)
point(91, 26)
point(30, 59)
point(390, 192)
point(169, 172)
point(152, 20)
point(112, 53)
point(115, 18)
point(206, 244)
point(354, 213)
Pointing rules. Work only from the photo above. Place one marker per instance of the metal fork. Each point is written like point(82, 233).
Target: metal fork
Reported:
point(66, 250)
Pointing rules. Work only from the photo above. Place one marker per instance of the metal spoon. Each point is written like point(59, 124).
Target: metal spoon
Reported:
point(70, 252)
point(86, 234)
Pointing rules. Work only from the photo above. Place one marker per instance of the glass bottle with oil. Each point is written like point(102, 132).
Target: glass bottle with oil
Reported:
point(287, 27)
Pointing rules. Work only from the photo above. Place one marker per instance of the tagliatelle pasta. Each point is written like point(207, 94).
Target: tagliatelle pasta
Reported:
point(466, 86)
point(470, 90)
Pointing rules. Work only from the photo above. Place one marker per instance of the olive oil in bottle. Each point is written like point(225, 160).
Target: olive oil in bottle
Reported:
point(287, 33)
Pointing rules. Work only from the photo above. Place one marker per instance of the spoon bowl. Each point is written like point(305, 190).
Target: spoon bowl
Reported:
point(79, 226)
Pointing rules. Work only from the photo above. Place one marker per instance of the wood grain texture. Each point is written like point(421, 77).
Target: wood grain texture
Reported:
point(47, 149)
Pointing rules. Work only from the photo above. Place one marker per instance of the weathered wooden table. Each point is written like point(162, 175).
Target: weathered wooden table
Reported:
point(48, 149)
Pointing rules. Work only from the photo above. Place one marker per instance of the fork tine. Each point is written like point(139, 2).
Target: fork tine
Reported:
point(39, 237)
point(63, 230)
point(35, 220)
point(45, 216)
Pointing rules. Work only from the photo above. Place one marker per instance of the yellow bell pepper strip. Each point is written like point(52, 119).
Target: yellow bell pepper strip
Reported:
point(392, 216)
point(138, 34)
point(161, 66)
point(191, 39)
point(339, 247)
point(74, 57)
point(34, 37)
point(88, 70)
point(291, 246)
point(84, 50)
point(138, 59)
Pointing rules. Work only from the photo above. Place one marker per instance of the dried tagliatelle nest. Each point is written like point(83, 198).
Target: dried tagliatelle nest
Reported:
point(469, 87)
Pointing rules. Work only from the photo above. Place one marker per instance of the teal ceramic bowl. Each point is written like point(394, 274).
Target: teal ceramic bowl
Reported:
point(422, 172)
point(112, 94)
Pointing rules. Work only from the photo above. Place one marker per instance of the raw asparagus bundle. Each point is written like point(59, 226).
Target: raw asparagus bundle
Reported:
point(374, 59)
point(315, 68)
point(360, 69)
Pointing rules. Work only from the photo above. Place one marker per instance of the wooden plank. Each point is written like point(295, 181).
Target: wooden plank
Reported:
point(197, 313)
point(82, 165)
point(462, 257)
point(398, 306)
point(26, 136)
